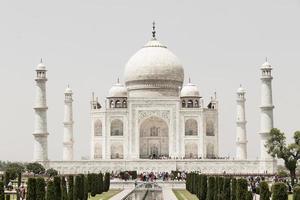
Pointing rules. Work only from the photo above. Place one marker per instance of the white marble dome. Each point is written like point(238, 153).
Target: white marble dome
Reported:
point(266, 65)
point(117, 90)
point(68, 90)
point(241, 90)
point(154, 67)
point(190, 90)
point(41, 66)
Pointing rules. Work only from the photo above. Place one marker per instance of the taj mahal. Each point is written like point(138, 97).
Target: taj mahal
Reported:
point(155, 122)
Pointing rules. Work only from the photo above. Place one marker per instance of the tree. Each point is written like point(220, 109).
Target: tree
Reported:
point(296, 195)
point(31, 186)
point(40, 189)
point(211, 188)
point(233, 189)
point(35, 168)
point(1, 190)
point(64, 189)
point(277, 147)
point(217, 188)
point(51, 172)
point(57, 188)
point(241, 189)
point(14, 169)
point(226, 189)
point(50, 191)
point(264, 191)
point(71, 187)
point(279, 191)
point(106, 181)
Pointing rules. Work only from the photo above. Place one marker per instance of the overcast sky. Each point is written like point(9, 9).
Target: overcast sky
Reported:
point(87, 43)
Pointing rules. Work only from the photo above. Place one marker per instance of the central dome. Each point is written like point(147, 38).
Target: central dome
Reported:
point(154, 68)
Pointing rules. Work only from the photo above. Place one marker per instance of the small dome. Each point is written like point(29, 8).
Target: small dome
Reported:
point(68, 90)
point(266, 65)
point(117, 90)
point(241, 90)
point(41, 66)
point(190, 90)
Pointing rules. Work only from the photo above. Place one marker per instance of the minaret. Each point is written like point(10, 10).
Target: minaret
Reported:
point(68, 126)
point(266, 108)
point(40, 109)
point(241, 137)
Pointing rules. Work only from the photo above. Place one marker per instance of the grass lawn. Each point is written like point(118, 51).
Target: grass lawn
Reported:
point(105, 195)
point(182, 194)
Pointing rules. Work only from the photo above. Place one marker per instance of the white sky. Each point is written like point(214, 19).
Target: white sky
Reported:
point(87, 43)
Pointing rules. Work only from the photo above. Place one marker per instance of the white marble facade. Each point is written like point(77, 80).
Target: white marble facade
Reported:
point(153, 114)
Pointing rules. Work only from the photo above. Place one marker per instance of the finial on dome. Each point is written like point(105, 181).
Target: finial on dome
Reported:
point(189, 79)
point(266, 59)
point(41, 60)
point(118, 80)
point(153, 31)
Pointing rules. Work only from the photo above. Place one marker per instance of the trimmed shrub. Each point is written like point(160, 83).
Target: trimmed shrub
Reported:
point(217, 188)
point(226, 189)
point(264, 191)
point(1, 190)
point(50, 195)
point(70, 187)
point(64, 189)
point(241, 189)
point(106, 182)
point(279, 191)
point(93, 184)
point(100, 183)
point(35, 168)
point(57, 188)
point(86, 188)
point(249, 195)
point(233, 189)
point(203, 187)
point(7, 197)
point(211, 188)
point(40, 189)
point(296, 195)
point(89, 179)
point(31, 185)
point(220, 188)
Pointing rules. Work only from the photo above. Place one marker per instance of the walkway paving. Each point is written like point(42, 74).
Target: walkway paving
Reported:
point(168, 194)
point(122, 194)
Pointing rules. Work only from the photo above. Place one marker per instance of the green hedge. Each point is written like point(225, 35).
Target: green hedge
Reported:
point(106, 182)
point(279, 191)
point(264, 191)
point(71, 187)
point(57, 188)
point(1, 190)
point(40, 188)
point(31, 186)
point(233, 189)
point(227, 189)
point(241, 189)
point(211, 188)
point(249, 195)
point(50, 195)
point(296, 195)
point(64, 191)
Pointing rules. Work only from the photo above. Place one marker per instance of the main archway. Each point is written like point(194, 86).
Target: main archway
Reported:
point(154, 138)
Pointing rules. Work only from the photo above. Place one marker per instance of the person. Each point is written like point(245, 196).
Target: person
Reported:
point(10, 186)
point(22, 191)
